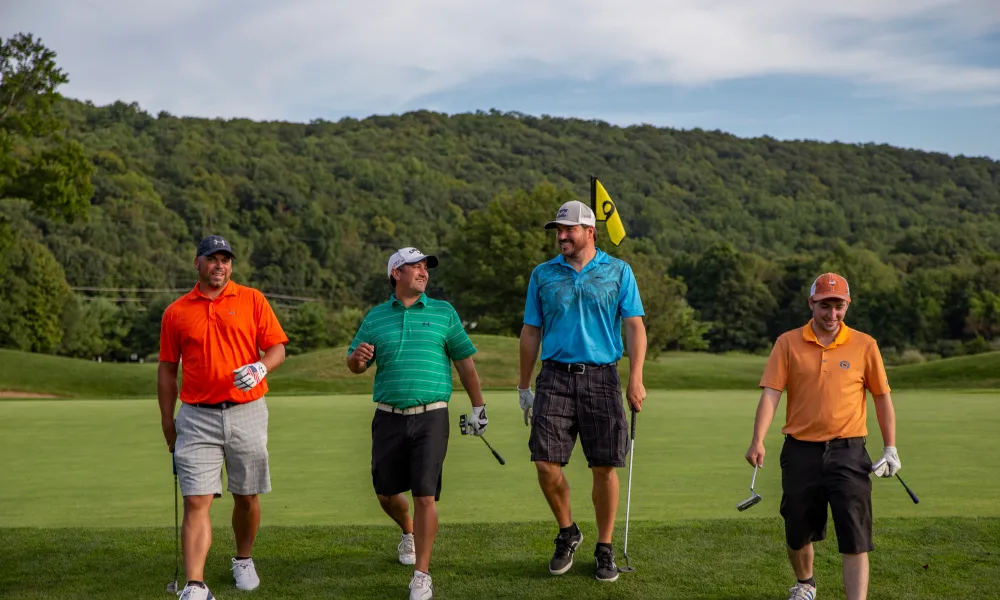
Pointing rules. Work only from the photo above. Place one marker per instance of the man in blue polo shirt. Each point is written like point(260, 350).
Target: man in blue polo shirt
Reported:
point(575, 307)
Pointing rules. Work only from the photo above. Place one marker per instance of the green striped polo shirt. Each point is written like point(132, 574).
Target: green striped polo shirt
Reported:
point(414, 348)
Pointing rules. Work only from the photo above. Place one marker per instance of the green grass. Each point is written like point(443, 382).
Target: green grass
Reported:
point(324, 373)
point(93, 463)
point(732, 559)
point(86, 505)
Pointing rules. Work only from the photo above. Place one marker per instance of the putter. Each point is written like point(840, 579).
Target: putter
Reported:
point(172, 586)
point(908, 490)
point(754, 496)
point(628, 496)
point(463, 426)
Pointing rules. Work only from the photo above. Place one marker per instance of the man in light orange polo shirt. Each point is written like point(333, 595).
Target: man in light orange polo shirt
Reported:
point(217, 332)
point(826, 367)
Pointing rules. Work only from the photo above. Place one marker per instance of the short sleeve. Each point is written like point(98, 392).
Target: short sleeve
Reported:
point(876, 380)
point(457, 344)
point(361, 337)
point(629, 301)
point(532, 305)
point(269, 331)
point(170, 347)
point(776, 372)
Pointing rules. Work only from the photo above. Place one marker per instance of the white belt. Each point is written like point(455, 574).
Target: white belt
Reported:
point(416, 410)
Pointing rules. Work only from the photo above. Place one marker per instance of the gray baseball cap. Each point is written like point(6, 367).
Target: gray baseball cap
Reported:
point(214, 243)
point(572, 213)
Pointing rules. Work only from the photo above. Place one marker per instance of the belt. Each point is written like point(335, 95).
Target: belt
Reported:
point(416, 410)
point(220, 405)
point(575, 368)
point(848, 441)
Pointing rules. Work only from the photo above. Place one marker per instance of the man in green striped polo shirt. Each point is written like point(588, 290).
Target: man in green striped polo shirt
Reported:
point(413, 339)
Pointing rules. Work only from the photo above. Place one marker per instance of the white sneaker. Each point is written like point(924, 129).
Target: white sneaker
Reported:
point(245, 575)
point(420, 586)
point(193, 592)
point(802, 591)
point(407, 551)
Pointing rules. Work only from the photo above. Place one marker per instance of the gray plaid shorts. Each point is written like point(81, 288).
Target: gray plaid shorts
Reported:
point(207, 438)
point(587, 404)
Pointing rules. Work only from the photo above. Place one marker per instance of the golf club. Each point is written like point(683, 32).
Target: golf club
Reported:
point(172, 586)
point(908, 490)
point(628, 496)
point(754, 496)
point(463, 426)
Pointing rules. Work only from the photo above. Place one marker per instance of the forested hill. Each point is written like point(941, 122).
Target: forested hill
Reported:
point(725, 233)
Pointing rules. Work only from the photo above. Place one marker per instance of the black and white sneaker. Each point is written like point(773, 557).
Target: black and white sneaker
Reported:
point(566, 544)
point(607, 570)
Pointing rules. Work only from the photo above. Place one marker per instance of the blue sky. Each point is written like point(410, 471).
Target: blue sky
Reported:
point(914, 73)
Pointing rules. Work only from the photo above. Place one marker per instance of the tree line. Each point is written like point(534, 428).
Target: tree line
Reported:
point(101, 208)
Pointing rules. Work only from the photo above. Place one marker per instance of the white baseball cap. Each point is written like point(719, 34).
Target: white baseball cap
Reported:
point(572, 213)
point(409, 256)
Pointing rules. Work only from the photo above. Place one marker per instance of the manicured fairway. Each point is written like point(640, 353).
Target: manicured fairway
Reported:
point(87, 463)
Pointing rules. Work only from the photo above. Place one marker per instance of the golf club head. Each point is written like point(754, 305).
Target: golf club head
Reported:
point(626, 569)
point(172, 588)
point(752, 500)
point(463, 424)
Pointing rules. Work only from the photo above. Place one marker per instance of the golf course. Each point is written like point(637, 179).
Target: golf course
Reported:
point(87, 506)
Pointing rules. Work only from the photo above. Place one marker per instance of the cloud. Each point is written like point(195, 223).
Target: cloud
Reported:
point(271, 60)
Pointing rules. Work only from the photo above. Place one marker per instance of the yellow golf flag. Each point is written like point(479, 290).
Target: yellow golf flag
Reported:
point(605, 210)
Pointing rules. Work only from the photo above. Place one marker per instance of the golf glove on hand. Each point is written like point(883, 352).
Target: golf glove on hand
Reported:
point(479, 420)
point(888, 464)
point(248, 376)
point(527, 400)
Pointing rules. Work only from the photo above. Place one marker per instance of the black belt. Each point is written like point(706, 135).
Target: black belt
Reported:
point(575, 368)
point(848, 441)
point(220, 405)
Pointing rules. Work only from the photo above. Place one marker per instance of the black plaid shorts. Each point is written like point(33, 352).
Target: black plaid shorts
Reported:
point(570, 403)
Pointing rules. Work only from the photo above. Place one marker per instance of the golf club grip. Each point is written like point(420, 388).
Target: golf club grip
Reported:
point(908, 490)
point(632, 424)
point(497, 455)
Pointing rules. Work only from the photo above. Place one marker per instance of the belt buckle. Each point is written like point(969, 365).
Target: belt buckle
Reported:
point(573, 368)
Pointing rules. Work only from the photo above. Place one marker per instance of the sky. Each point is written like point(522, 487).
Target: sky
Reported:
point(921, 74)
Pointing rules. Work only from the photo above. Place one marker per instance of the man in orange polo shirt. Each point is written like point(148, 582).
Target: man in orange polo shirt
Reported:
point(217, 332)
point(826, 367)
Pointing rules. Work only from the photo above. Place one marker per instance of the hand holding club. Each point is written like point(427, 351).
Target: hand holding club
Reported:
point(526, 400)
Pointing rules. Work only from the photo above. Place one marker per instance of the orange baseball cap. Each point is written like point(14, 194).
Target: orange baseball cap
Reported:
point(830, 285)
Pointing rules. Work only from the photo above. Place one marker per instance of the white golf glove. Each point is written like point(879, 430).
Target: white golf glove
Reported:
point(248, 376)
point(479, 420)
point(527, 400)
point(888, 464)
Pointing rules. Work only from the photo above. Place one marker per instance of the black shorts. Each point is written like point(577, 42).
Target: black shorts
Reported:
point(408, 452)
point(588, 404)
point(838, 473)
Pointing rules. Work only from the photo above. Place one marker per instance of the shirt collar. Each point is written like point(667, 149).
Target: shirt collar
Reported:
point(196, 293)
point(842, 336)
point(422, 300)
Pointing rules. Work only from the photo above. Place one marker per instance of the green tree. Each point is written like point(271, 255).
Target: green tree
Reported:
point(37, 162)
point(490, 258)
point(33, 294)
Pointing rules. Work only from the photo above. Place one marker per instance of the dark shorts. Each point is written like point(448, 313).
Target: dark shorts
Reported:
point(408, 452)
point(815, 474)
point(588, 404)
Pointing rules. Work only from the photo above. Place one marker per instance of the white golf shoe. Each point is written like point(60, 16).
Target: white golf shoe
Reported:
point(802, 591)
point(420, 586)
point(407, 551)
point(194, 592)
point(245, 575)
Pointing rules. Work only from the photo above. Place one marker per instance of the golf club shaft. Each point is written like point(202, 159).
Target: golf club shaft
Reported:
point(495, 453)
point(177, 531)
point(753, 479)
point(628, 495)
point(908, 490)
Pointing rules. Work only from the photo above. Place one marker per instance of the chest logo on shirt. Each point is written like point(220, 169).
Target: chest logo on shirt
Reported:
point(426, 323)
point(845, 365)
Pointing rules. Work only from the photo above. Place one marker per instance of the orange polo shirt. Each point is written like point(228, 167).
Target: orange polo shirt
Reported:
point(212, 338)
point(825, 385)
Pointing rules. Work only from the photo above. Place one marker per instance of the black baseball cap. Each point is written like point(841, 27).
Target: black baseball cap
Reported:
point(214, 243)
